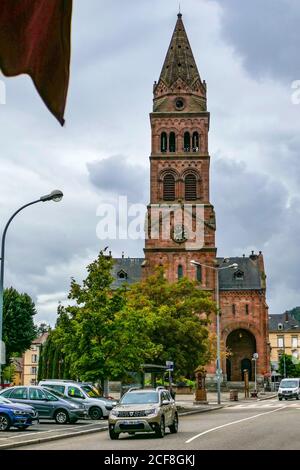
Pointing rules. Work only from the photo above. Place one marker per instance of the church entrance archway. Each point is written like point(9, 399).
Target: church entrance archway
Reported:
point(241, 345)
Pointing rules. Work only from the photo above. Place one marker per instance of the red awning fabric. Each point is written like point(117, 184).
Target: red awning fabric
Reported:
point(35, 39)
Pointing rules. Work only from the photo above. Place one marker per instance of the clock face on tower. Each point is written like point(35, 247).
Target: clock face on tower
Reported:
point(180, 234)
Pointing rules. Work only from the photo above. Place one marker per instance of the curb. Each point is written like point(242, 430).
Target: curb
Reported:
point(193, 412)
point(50, 438)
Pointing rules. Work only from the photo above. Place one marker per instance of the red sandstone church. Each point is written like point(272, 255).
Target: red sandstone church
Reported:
point(180, 163)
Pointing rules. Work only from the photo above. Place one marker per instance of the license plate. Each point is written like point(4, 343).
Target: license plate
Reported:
point(131, 422)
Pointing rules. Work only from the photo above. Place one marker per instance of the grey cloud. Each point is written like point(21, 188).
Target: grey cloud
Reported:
point(267, 35)
point(119, 176)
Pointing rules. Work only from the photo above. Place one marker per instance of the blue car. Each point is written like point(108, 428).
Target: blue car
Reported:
point(16, 415)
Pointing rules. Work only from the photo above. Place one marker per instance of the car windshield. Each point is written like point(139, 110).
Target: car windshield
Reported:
point(289, 384)
point(92, 392)
point(139, 398)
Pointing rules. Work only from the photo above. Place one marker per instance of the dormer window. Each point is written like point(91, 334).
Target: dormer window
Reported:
point(239, 275)
point(280, 326)
point(122, 275)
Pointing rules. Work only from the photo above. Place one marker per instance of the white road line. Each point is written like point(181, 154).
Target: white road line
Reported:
point(233, 422)
point(49, 430)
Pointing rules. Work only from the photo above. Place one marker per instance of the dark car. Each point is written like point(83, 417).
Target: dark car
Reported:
point(46, 404)
point(14, 415)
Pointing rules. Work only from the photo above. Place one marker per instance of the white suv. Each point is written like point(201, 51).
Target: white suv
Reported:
point(98, 407)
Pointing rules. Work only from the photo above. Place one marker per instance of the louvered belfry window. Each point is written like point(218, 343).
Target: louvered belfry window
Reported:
point(172, 142)
point(163, 142)
point(190, 188)
point(169, 188)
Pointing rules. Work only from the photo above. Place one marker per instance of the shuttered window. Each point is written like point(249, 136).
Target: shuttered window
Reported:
point(187, 142)
point(169, 188)
point(190, 188)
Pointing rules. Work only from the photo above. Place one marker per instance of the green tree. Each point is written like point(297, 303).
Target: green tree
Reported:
point(181, 311)
point(288, 366)
point(100, 336)
point(18, 326)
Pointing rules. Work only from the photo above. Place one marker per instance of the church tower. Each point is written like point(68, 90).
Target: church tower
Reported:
point(181, 219)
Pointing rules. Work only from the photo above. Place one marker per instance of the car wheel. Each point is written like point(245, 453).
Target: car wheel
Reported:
point(4, 423)
point(95, 413)
point(297, 397)
point(174, 427)
point(280, 399)
point(160, 431)
point(113, 435)
point(61, 417)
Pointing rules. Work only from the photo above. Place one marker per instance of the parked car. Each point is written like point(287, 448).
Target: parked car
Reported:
point(46, 404)
point(98, 407)
point(144, 410)
point(17, 416)
point(289, 388)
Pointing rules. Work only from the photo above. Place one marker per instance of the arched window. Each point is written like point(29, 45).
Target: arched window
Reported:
point(187, 142)
point(190, 188)
point(199, 273)
point(163, 142)
point(195, 142)
point(172, 142)
point(169, 188)
point(180, 272)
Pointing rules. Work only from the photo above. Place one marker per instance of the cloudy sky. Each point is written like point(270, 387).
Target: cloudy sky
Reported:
point(248, 52)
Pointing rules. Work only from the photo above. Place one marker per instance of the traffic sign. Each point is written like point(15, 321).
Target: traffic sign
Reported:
point(255, 356)
point(170, 365)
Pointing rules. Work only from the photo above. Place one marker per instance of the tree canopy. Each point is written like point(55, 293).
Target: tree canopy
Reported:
point(18, 325)
point(106, 333)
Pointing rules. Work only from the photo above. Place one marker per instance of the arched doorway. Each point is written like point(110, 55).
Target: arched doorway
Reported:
point(241, 345)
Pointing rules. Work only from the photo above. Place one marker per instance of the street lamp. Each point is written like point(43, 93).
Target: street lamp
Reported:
point(55, 196)
point(217, 269)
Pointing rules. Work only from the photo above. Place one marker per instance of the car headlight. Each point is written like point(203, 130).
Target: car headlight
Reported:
point(19, 412)
point(153, 411)
point(114, 413)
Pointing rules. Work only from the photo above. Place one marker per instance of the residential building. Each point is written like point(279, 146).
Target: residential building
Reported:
point(284, 335)
point(31, 360)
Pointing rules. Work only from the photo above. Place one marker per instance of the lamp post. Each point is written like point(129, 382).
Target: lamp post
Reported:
point(217, 270)
point(55, 196)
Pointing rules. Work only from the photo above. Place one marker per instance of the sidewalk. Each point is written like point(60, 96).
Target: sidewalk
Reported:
point(187, 401)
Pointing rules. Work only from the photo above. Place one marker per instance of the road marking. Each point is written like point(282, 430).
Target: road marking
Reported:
point(18, 435)
point(233, 422)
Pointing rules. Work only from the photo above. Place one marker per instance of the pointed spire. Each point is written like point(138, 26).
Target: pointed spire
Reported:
point(179, 62)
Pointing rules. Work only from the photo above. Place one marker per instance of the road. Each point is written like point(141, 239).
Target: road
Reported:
point(263, 425)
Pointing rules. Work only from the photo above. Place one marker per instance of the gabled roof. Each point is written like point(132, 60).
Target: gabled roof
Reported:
point(251, 279)
point(132, 267)
point(179, 62)
point(286, 321)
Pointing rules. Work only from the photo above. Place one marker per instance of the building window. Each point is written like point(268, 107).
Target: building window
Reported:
point(180, 272)
point(34, 358)
point(33, 347)
point(172, 142)
point(280, 341)
point(247, 309)
point(33, 370)
point(169, 188)
point(233, 309)
point(163, 142)
point(122, 275)
point(294, 342)
point(190, 188)
point(239, 275)
point(199, 273)
point(295, 354)
point(187, 142)
point(195, 142)
point(280, 326)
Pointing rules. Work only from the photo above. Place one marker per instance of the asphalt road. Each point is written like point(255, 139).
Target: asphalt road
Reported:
point(263, 425)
